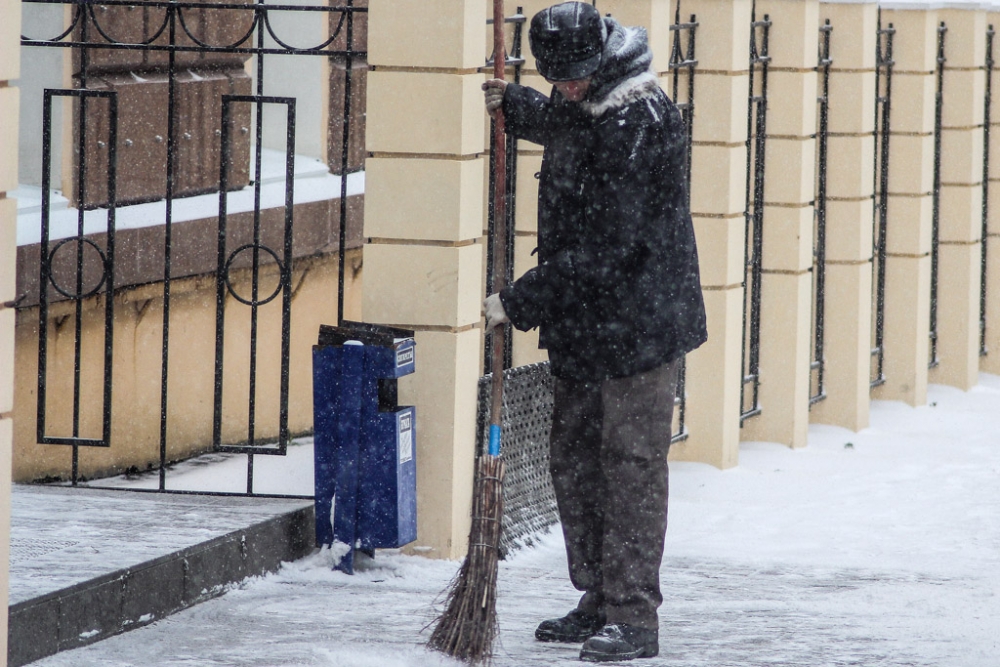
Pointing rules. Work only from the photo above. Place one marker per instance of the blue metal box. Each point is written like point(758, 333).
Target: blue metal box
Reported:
point(365, 444)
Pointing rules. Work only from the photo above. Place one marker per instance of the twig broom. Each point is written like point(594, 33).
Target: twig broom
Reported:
point(468, 626)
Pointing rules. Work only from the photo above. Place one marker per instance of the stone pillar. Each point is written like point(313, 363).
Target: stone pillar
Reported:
point(718, 188)
point(959, 268)
point(655, 16)
point(850, 165)
point(423, 219)
point(911, 171)
point(991, 361)
point(10, 58)
point(789, 190)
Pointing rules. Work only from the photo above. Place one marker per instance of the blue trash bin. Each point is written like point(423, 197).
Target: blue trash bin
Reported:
point(365, 444)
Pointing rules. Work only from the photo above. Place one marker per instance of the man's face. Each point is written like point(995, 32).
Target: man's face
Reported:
point(573, 91)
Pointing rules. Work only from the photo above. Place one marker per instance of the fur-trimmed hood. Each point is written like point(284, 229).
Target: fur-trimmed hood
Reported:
point(641, 86)
point(624, 75)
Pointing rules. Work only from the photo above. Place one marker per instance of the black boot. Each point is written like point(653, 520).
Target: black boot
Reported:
point(620, 642)
point(576, 626)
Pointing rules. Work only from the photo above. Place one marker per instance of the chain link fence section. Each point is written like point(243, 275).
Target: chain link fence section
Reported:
point(27, 549)
point(529, 499)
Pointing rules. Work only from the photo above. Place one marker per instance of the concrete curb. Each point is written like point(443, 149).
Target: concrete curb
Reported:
point(139, 595)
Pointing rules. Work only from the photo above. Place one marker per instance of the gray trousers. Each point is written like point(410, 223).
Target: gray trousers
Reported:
point(608, 452)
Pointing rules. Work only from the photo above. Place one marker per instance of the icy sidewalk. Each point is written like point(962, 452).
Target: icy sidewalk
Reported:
point(876, 549)
point(87, 564)
point(61, 537)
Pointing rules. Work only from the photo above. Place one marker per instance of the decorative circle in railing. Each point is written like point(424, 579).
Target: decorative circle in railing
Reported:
point(79, 269)
point(289, 47)
point(229, 284)
point(341, 24)
point(110, 39)
point(240, 18)
point(233, 19)
point(77, 15)
point(164, 25)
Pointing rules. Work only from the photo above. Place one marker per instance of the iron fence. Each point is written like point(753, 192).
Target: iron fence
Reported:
point(756, 144)
point(880, 195)
point(984, 237)
point(683, 64)
point(79, 292)
point(165, 39)
point(933, 360)
point(817, 366)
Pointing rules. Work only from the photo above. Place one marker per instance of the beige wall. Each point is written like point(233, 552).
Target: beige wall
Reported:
point(908, 264)
point(718, 190)
point(10, 22)
point(424, 259)
point(961, 199)
point(851, 151)
point(789, 191)
point(717, 206)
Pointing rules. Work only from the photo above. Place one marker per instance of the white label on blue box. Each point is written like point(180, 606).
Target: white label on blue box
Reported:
point(404, 357)
point(405, 437)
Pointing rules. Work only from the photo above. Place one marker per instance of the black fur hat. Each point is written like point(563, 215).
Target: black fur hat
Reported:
point(567, 41)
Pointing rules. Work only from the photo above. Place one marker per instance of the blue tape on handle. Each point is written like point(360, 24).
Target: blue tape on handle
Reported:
point(494, 440)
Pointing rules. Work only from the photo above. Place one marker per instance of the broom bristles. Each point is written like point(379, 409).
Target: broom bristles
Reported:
point(467, 627)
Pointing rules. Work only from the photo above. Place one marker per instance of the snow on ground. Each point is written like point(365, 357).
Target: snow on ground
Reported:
point(289, 475)
point(877, 548)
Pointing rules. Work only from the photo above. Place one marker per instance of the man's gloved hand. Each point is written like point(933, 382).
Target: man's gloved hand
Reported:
point(493, 309)
point(495, 89)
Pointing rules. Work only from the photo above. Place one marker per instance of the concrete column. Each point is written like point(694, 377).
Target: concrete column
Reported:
point(991, 362)
point(654, 15)
point(789, 190)
point(718, 189)
point(850, 164)
point(423, 219)
point(911, 171)
point(961, 199)
point(10, 58)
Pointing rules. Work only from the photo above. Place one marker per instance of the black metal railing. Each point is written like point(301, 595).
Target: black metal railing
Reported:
point(516, 61)
point(880, 198)
point(756, 143)
point(225, 287)
point(984, 238)
point(817, 366)
point(683, 64)
point(81, 288)
point(933, 360)
point(171, 37)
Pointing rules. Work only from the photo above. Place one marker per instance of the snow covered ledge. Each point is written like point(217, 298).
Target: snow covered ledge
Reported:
point(139, 226)
point(313, 183)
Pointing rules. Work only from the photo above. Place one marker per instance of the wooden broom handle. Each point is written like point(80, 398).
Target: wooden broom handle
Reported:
point(499, 214)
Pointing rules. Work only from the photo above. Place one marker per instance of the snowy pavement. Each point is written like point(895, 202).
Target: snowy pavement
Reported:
point(879, 548)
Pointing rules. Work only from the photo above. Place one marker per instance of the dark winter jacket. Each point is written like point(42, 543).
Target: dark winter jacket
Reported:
point(616, 291)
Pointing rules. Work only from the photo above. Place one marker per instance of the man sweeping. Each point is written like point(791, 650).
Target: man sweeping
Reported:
point(617, 298)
